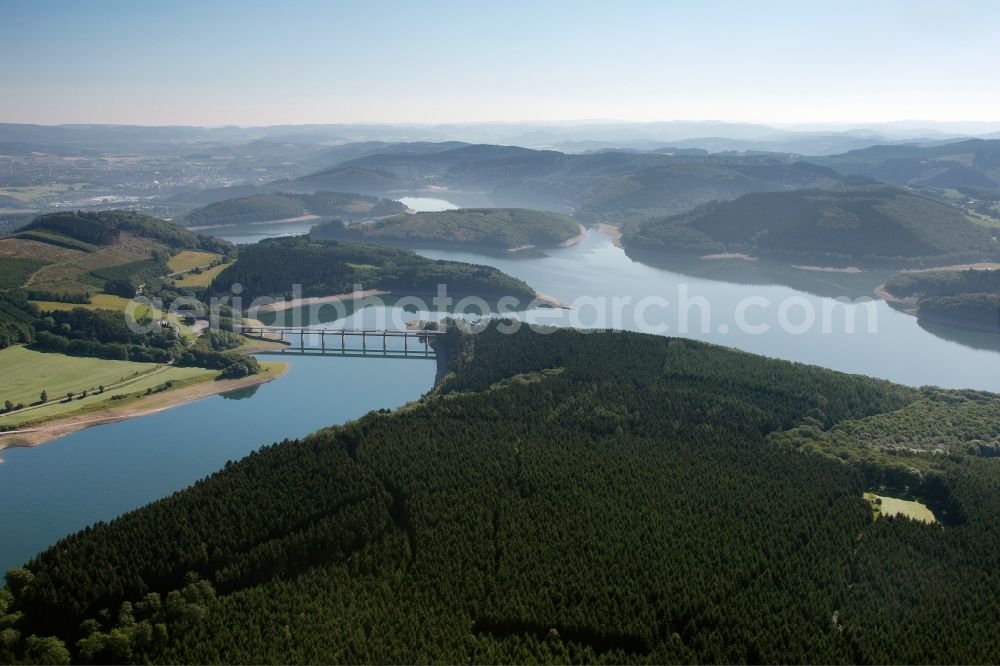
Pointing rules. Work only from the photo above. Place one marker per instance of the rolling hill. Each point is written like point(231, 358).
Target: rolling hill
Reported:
point(72, 254)
point(678, 187)
point(281, 206)
point(490, 228)
point(871, 225)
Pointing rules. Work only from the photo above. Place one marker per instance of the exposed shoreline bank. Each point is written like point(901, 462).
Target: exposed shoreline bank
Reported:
point(229, 225)
point(910, 306)
point(283, 305)
point(729, 255)
point(828, 269)
point(569, 242)
point(906, 305)
point(157, 402)
point(611, 231)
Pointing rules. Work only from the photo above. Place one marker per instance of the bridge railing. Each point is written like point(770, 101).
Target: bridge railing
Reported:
point(369, 339)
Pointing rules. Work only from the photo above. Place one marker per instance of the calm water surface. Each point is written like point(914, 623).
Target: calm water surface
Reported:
point(427, 204)
point(96, 474)
point(899, 349)
point(257, 232)
point(99, 473)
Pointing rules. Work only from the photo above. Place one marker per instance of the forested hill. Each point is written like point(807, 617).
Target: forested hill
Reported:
point(963, 298)
point(871, 225)
point(685, 183)
point(563, 497)
point(279, 206)
point(325, 268)
point(491, 228)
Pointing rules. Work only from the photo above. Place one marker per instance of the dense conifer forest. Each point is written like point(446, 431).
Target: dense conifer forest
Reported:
point(560, 497)
point(963, 298)
point(488, 228)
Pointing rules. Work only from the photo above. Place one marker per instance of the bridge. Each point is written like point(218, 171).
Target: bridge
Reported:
point(317, 340)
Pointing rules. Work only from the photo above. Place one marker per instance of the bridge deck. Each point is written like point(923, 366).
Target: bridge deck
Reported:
point(343, 348)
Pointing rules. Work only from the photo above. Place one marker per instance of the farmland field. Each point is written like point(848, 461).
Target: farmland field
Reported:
point(202, 279)
point(59, 407)
point(25, 373)
point(97, 301)
point(188, 259)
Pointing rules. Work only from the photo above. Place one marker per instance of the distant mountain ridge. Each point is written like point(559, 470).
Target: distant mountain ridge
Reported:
point(510, 176)
point(714, 135)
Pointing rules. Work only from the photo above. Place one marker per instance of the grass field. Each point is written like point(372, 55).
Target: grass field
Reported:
point(57, 408)
point(100, 302)
point(188, 259)
point(25, 373)
point(892, 506)
point(134, 396)
point(97, 302)
point(200, 280)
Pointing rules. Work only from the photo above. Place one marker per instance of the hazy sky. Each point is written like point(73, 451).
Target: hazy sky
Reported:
point(257, 63)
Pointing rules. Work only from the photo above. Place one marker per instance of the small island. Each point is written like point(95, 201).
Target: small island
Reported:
point(503, 229)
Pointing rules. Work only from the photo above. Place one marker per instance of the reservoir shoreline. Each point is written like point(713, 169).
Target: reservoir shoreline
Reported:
point(47, 431)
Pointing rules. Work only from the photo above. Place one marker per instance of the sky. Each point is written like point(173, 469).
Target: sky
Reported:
point(425, 61)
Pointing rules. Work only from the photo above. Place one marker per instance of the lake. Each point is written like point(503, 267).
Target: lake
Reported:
point(99, 473)
point(254, 233)
point(899, 349)
point(427, 204)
